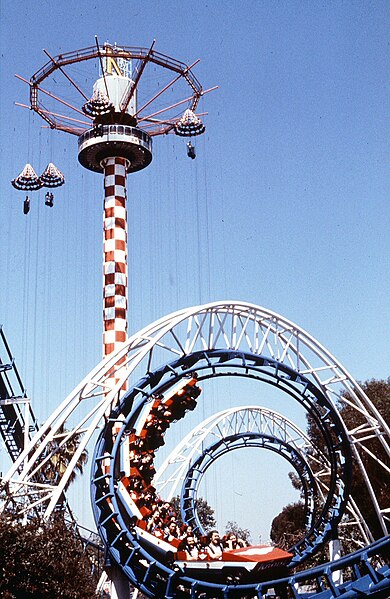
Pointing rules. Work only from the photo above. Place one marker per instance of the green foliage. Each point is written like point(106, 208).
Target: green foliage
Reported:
point(289, 526)
point(204, 511)
point(379, 393)
point(41, 560)
point(241, 533)
point(61, 453)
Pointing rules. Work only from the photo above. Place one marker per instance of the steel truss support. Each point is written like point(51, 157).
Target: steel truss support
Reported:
point(235, 423)
point(230, 325)
point(17, 419)
point(233, 326)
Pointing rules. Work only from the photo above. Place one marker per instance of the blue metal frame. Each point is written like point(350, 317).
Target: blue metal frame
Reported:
point(238, 441)
point(152, 570)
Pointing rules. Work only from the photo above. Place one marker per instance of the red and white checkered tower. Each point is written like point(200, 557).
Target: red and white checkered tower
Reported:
point(115, 134)
point(114, 147)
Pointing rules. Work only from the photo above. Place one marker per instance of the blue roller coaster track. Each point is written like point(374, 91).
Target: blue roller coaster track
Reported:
point(153, 567)
point(214, 341)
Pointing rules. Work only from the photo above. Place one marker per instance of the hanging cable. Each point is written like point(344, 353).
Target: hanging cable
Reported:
point(36, 281)
point(26, 265)
point(206, 222)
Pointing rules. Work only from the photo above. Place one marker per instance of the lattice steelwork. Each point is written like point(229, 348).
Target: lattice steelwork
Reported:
point(234, 336)
point(230, 325)
point(235, 423)
point(231, 423)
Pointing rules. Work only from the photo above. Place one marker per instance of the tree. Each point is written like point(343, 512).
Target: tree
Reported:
point(204, 511)
point(379, 393)
point(241, 533)
point(54, 469)
point(42, 560)
point(289, 526)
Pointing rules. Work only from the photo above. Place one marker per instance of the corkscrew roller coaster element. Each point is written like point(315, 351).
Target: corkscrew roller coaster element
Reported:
point(214, 340)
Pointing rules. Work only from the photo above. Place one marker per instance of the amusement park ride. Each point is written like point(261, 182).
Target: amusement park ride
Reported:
point(149, 381)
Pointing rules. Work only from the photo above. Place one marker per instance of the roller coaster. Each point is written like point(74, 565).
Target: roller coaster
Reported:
point(168, 366)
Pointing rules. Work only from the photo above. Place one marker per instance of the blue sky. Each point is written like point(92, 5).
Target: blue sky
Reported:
point(286, 205)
